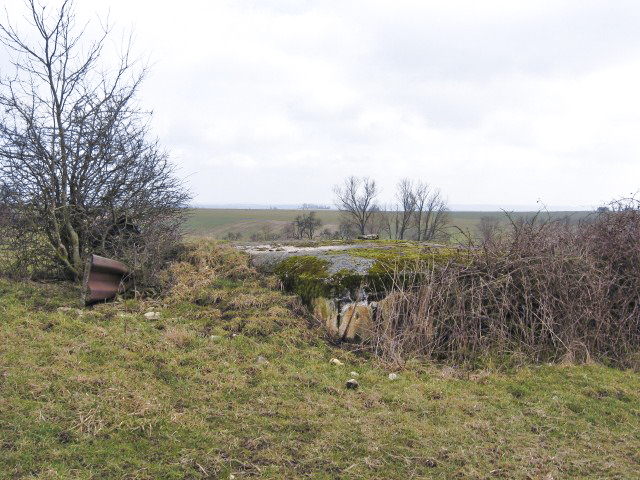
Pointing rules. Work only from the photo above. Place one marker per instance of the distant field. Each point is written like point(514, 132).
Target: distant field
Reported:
point(217, 223)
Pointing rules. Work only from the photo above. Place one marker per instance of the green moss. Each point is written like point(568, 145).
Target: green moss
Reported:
point(347, 280)
point(303, 265)
point(403, 262)
point(308, 276)
point(406, 254)
point(305, 276)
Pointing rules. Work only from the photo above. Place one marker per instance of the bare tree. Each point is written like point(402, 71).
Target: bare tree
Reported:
point(430, 214)
point(75, 154)
point(396, 219)
point(407, 199)
point(356, 200)
point(306, 224)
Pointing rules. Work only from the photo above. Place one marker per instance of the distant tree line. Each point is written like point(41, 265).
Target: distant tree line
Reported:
point(419, 212)
point(315, 206)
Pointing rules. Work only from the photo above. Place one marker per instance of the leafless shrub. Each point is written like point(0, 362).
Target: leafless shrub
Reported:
point(266, 233)
point(288, 231)
point(329, 234)
point(488, 229)
point(233, 236)
point(346, 231)
point(550, 291)
point(305, 225)
point(80, 172)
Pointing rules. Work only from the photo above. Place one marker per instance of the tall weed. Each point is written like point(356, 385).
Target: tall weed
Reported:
point(548, 290)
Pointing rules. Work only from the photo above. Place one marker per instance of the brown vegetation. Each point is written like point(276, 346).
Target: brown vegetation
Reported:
point(548, 290)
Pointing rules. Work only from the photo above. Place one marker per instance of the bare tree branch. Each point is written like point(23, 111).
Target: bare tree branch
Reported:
point(430, 215)
point(356, 199)
point(75, 151)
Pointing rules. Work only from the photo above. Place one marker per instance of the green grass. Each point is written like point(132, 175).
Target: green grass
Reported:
point(108, 393)
point(216, 223)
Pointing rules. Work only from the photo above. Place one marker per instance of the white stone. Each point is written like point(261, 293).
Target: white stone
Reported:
point(352, 384)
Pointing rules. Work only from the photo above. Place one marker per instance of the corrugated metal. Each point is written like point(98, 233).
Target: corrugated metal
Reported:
point(103, 279)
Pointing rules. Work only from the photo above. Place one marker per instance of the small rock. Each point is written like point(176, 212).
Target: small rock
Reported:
point(371, 236)
point(335, 361)
point(352, 384)
point(393, 376)
point(215, 337)
point(152, 315)
point(261, 360)
point(354, 374)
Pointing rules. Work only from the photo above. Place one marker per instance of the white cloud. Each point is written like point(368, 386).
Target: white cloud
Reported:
point(233, 160)
point(495, 102)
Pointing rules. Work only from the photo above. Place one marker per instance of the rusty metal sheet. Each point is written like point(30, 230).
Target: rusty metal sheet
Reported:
point(103, 279)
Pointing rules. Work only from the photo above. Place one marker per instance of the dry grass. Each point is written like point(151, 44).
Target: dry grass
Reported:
point(179, 336)
point(549, 291)
point(199, 266)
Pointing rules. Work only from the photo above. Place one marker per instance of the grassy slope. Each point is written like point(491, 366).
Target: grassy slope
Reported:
point(108, 393)
point(217, 223)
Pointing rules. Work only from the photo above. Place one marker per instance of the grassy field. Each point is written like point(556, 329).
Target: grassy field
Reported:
point(216, 223)
point(232, 380)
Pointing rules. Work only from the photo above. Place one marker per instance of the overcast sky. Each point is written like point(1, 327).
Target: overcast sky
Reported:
point(495, 102)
